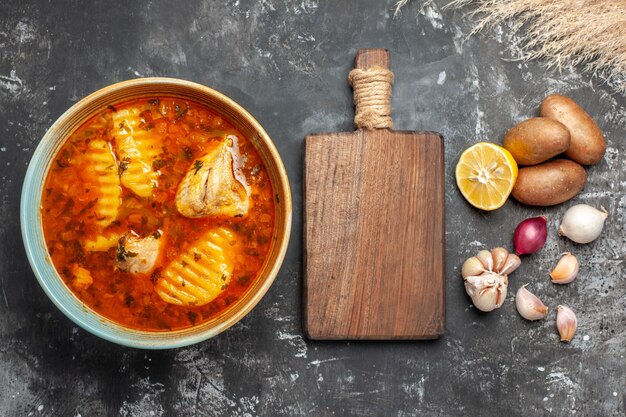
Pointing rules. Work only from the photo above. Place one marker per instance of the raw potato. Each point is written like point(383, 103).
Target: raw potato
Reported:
point(587, 144)
point(549, 183)
point(536, 140)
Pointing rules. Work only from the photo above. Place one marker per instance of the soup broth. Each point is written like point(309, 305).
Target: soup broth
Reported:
point(115, 186)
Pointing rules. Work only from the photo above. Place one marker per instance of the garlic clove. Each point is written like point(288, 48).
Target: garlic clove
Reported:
point(484, 256)
point(565, 270)
point(499, 256)
point(472, 266)
point(511, 264)
point(583, 223)
point(566, 323)
point(529, 305)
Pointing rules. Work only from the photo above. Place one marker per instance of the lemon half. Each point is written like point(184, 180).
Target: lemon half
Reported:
point(485, 175)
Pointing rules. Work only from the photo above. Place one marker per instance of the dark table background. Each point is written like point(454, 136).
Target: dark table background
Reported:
point(287, 62)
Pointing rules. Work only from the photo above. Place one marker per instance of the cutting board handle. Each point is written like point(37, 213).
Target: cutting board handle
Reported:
point(371, 81)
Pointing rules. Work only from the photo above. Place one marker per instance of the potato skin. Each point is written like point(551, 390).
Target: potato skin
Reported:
point(549, 183)
point(536, 140)
point(587, 145)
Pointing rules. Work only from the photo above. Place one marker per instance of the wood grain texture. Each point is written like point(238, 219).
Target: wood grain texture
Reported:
point(374, 231)
point(372, 57)
point(374, 235)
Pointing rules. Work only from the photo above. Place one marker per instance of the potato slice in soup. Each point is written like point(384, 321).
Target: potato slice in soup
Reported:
point(202, 272)
point(102, 170)
point(136, 149)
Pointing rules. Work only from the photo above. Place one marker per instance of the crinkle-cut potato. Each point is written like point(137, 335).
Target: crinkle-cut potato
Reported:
point(136, 150)
point(103, 169)
point(202, 272)
point(212, 187)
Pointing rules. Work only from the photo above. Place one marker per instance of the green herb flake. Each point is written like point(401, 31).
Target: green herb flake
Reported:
point(123, 166)
point(155, 276)
point(63, 161)
point(129, 300)
point(192, 316)
point(197, 165)
point(180, 113)
point(122, 253)
point(157, 164)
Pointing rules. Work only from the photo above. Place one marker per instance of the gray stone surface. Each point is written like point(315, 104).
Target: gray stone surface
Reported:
point(286, 62)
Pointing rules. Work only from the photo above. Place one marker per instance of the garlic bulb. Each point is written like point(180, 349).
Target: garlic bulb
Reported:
point(565, 270)
point(488, 291)
point(566, 323)
point(582, 223)
point(529, 305)
point(486, 277)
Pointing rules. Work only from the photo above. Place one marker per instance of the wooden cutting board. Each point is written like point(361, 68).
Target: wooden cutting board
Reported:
point(374, 231)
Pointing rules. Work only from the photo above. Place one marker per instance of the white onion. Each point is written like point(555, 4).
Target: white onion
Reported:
point(582, 223)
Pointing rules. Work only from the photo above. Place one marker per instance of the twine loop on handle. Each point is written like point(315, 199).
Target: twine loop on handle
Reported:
point(372, 97)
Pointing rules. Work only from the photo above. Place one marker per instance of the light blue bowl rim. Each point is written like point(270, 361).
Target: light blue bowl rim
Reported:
point(53, 285)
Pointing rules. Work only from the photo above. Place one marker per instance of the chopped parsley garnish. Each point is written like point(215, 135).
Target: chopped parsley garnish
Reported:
point(180, 113)
point(122, 253)
point(197, 165)
point(157, 164)
point(123, 166)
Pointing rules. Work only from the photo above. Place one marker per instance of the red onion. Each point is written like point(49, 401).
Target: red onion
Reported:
point(530, 235)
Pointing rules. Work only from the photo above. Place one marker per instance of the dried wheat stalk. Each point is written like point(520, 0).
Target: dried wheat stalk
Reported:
point(563, 32)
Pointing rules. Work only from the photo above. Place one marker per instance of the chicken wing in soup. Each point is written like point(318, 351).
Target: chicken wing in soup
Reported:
point(158, 214)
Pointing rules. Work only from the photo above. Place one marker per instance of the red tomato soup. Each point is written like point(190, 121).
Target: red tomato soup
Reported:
point(112, 217)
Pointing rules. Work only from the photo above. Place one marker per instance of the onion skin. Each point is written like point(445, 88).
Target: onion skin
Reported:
point(530, 235)
point(582, 223)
